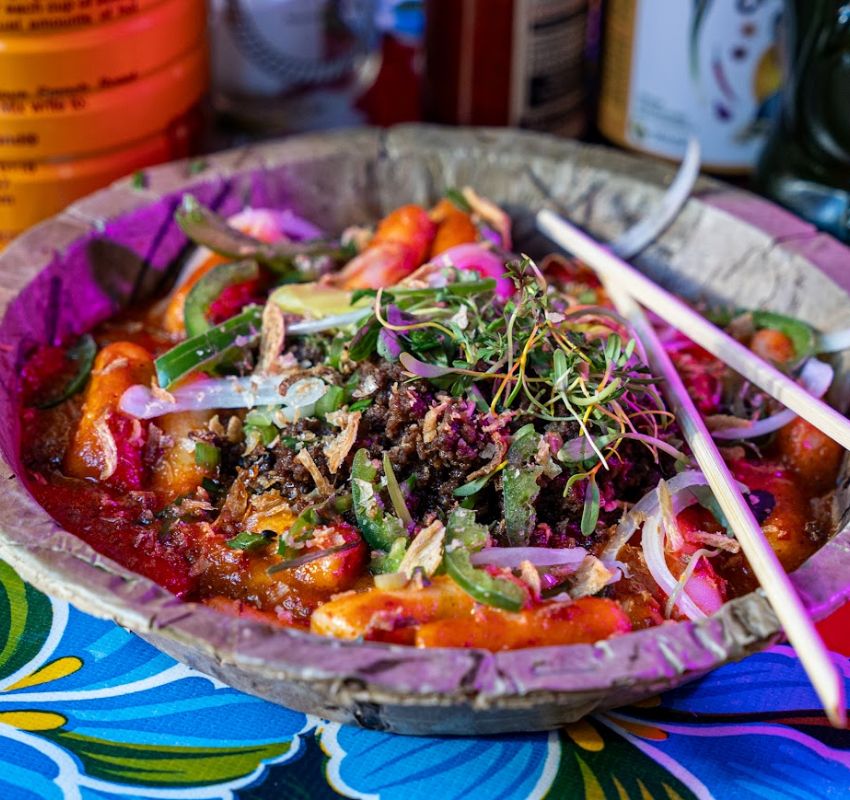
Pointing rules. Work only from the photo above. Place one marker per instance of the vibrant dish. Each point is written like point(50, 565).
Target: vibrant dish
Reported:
point(474, 457)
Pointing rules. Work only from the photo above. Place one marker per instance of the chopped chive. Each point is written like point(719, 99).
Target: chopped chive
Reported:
point(207, 455)
point(248, 541)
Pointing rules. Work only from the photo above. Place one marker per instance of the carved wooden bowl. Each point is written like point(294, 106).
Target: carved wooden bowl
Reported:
point(118, 246)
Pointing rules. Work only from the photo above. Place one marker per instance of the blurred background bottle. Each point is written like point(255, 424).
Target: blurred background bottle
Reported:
point(90, 91)
point(507, 62)
point(806, 164)
point(285, 66)
point(675, 67)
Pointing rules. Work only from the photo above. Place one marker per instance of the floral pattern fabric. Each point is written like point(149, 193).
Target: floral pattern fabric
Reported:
point(90, 711)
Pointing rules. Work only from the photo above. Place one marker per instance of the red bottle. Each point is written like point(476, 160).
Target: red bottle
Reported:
point(507, 62)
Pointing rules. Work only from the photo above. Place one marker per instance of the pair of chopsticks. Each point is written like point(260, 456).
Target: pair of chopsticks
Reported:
point(625, 286)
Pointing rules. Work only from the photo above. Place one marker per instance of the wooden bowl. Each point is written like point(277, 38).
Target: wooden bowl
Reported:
point(117, 246)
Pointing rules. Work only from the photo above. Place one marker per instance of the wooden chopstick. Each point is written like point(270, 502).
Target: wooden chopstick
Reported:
point(815, 658)
point(801, 632)
point(675, 312)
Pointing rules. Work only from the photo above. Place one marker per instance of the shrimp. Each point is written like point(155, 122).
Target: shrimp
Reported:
point(785, 526)
point(108, 444)
point(376, 612)
point(239, 580)
point(772, 345)
point(454, 227)
point(443, 615)
point(401, 243)
point(584, 621)
point(704, 586)
point(811, 454)
point(176, 472)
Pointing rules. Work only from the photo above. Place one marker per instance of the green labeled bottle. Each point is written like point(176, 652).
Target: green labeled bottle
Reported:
point(805, 165)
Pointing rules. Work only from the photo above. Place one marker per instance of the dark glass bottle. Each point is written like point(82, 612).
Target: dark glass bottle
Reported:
point(805, 165)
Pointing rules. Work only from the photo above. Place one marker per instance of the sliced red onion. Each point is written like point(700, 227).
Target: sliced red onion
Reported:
point(645, 507)
point(539, 556)
point(652, 543)
point(209, 393)
point(295, 227)
point(201, 395)
point(422, 369)
point(479, 259)
point(816, 376)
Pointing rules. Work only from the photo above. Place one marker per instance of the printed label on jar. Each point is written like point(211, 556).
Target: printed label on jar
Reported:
point(79, 123)
point(31, 190)
point(47, 16)
point(48, 65)
point(673, 69)
point(547, 91)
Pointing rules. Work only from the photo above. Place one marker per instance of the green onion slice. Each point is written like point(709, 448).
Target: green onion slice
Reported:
point(207, 455)
point(379, 530)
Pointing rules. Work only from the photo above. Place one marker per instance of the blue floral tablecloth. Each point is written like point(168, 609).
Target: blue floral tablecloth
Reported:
point(90, 711)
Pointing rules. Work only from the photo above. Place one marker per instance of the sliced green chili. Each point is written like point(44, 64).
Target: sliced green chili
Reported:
point(211, 348)
point(207, 289)
point(385, 563)
point(462, 527)
point(83, 354)
point(482, 586)
point(520, 487)
point(379, 530)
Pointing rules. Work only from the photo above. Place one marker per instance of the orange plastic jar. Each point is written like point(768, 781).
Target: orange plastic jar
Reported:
point(89, 91)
